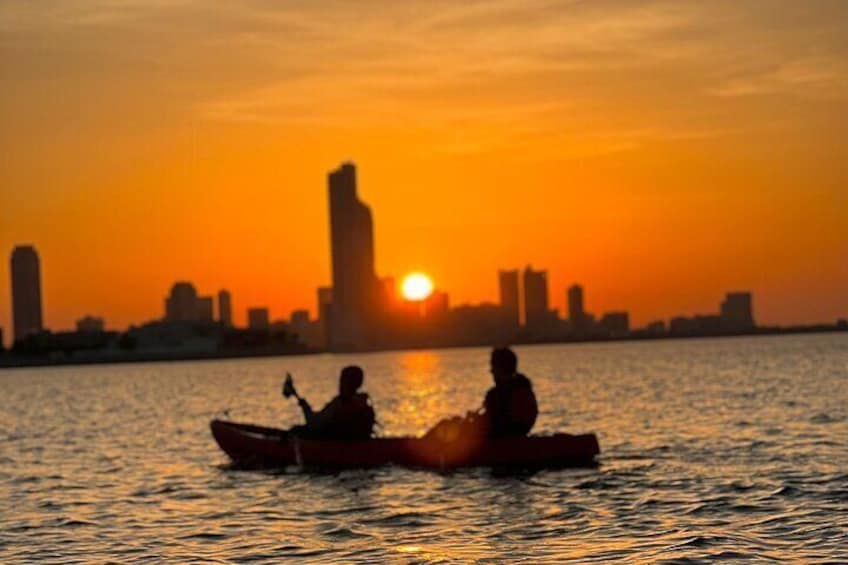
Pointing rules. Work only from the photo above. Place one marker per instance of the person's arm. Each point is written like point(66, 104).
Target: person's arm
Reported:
point(307, 409)
point(322, 419)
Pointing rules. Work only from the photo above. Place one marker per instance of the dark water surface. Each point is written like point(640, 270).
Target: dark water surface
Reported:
point(725, 448)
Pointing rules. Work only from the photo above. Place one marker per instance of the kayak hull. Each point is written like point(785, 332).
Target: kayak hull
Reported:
point(256, 446)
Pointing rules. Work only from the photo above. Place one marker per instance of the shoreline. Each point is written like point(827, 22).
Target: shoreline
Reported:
point(8, 361)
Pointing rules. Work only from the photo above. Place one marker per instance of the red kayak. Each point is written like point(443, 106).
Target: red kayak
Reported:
point(257, 446)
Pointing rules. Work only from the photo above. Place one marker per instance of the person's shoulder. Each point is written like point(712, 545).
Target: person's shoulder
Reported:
point(362, 398)
point(522, 381)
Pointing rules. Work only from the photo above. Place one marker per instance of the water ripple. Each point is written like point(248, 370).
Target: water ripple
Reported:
point(731, 450)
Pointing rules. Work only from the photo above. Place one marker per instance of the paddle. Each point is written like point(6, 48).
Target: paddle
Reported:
point(288, 388)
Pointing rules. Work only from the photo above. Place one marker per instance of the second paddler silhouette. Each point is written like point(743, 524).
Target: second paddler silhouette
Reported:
point(509, 408)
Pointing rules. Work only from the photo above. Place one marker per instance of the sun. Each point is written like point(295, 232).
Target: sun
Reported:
point(416, 286)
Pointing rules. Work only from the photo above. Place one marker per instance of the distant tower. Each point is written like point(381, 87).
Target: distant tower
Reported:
point(737, 312)
point(204, 309)
point(355, 284)
point(536, 311)
point(258, 319)
point(325, 312)
point(26, 291)
point(225, 308)
point(576, 313)
point(508, 285)
point(181, 304)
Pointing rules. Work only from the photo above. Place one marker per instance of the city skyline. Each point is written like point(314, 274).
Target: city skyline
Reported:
point(370, 296)
point(364, 310)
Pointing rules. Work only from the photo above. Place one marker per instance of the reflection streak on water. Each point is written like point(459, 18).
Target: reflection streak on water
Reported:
point(712, 448)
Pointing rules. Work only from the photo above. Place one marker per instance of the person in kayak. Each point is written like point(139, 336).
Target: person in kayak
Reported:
point(348, 416)
point(510, 407)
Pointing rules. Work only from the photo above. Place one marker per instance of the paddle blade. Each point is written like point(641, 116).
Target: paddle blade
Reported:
point(288, 386)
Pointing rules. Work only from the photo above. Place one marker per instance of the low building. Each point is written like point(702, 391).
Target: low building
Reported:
point(616, 324)
point(90, 324)
point(258, 319)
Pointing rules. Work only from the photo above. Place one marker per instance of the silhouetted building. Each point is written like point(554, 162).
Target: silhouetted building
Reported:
point(736, 312)
point(508, 286)
point(616, 324)
point(682, 325)
point(702, 324)
point(476, 325)
point(184, 305)
point(26, 292)
point(181, 304)
point(656, 328)
point(536, 312)
point(205, 306)
point(355, 285)
point(576, 311)
point(390, 296)
point(258, 319)
point(225, 308)
point(90, 324)
point(299, 318)
point(325, 310)
point(437, 304)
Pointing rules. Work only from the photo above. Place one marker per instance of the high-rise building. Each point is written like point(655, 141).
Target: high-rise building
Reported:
point(184, 305)
point(225, 308)
point(325, 307)
point(204, 309)
point(576, 313)
point(737, 312)
point(616, 324)
point(508, 285)
point(536, 313)
point(355, 284)
point(26, 291)
point(181, 303)
point(258, 319)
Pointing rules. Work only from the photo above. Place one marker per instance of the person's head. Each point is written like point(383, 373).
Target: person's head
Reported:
point(350, 380)
point(503, 364)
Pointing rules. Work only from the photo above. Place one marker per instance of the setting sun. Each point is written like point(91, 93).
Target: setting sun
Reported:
point(416, 286)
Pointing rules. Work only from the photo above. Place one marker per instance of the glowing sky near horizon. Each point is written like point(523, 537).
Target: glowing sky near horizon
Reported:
point(659, 153)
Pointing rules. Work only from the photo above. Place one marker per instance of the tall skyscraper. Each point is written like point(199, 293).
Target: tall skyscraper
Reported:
point(225, 308)
point(737, 312)
point(26, 292)
point(325, 307)
point(508, 284)
point(536, 313)
point(355, 284)
point(576, 313)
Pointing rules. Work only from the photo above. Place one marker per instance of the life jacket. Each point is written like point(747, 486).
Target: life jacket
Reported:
point(511, 408)
point(353, 419)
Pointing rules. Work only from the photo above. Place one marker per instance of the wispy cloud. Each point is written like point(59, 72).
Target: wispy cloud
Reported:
point(809, 77)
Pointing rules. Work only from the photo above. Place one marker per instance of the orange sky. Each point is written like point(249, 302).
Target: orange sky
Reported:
point(660, 153)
